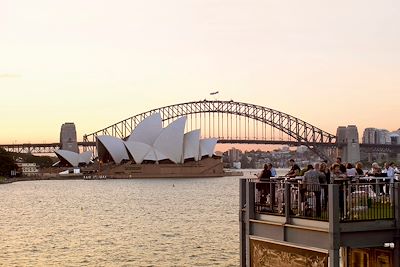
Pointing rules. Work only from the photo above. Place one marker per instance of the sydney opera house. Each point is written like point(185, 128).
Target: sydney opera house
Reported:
point(73, 159)
point(153, 151)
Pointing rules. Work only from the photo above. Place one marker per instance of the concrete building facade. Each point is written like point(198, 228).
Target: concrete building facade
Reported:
point(27, 169)
point(68, 140)
point(348, 143)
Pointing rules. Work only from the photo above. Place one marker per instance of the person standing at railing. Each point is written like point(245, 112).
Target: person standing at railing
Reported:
point(294, 169)
point(359, 173)
point(359, 169)
point(272, 169)
point(389, 170)
point(351, 172)
point(338, 177)
point(311, 184)
point(384, 181)
point(265, 188)
point(336, 173)
point(396, 169)
point(376, 171)
point(342, 167)
point(323, 167)
point(324, 180)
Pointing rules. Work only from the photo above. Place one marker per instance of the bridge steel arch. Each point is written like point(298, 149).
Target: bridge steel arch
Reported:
point(236, 113)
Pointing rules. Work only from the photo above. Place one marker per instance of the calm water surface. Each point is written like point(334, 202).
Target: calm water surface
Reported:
point(144, 222)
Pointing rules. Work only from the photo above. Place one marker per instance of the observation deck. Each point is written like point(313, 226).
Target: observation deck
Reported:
point(286, 223)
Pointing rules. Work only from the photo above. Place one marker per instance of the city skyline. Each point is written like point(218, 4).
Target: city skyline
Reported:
point(329, 64)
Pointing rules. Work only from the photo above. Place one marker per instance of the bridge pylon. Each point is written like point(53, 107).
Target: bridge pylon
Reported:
point(348, 143)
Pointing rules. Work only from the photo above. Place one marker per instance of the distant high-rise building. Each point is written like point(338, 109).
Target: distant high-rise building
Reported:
point(68, 140)
point(369, 136)
point(384, 136)
point(395, 138)
point(234, 154)
point(380, 136)
point(376, 136)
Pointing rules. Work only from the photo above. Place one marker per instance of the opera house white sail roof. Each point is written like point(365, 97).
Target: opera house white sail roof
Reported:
point(150, 141)
point(138, 150)
point(147, 130)
point(114, 146)
point(72, 158)
point(191, 145)
point(170, 140)
point(207, 147)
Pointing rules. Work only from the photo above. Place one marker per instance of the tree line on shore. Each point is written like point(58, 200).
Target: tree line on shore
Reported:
point(8, 161)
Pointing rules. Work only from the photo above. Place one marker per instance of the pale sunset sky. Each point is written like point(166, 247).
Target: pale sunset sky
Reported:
point(95, 63)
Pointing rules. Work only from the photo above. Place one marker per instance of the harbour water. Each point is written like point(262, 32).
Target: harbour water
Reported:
point(143, 222)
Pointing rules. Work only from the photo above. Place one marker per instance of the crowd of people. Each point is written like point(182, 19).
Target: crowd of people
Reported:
point(314, 177)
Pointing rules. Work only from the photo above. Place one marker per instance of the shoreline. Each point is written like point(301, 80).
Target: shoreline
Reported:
point(38, 178)
point(101, 177)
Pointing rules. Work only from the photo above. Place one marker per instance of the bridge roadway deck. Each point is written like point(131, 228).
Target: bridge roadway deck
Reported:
point(36, 148)
point(50, 147)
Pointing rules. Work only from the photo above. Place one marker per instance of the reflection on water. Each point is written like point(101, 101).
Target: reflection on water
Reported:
point(153, 222)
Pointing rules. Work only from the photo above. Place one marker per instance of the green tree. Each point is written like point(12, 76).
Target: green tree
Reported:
point(244, 162)
point(252, 164)
point(6, 163)
point(41, 161)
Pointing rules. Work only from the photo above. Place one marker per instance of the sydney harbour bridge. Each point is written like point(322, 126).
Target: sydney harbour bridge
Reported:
point(229, 121)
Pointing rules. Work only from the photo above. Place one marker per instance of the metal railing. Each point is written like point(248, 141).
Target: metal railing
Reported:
point(308, 202)
point(356, 201)
point(366, 201)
